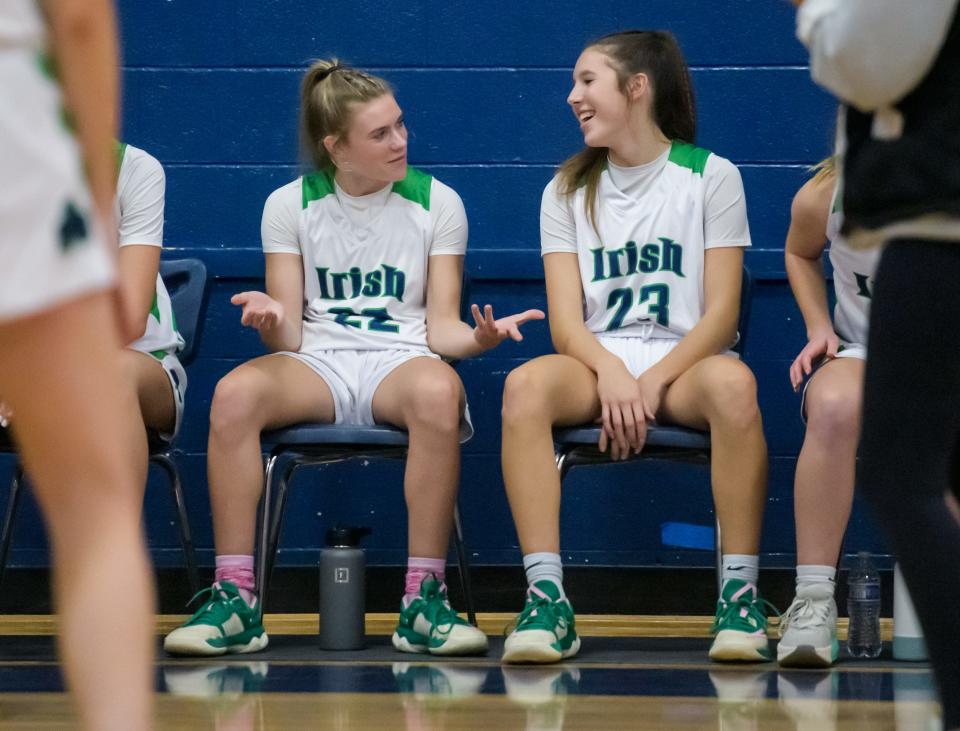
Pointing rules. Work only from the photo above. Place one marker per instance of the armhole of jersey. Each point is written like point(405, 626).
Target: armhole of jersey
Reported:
point(121, 153)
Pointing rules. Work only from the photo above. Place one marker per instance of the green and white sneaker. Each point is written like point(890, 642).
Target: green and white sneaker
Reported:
point(545, 631)
point(808, 630)
point(740, 626)
point(223, 623)
point(429, 624)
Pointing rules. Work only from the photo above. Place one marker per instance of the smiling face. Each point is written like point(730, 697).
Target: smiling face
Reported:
point(374, 147)
point(597, 100)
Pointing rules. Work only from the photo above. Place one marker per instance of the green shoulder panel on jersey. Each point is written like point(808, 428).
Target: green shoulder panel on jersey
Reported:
point(47, 65)
point(688, 156)
point(415, 187)
point(317, 185)
point(121, 151)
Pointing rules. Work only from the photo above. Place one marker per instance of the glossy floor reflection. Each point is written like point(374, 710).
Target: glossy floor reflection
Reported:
point(242, 694)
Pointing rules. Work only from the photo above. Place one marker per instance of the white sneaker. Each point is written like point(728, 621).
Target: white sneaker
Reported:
point(808, 629)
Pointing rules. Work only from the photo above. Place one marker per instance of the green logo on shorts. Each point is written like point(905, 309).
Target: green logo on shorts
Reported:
point(73, 227)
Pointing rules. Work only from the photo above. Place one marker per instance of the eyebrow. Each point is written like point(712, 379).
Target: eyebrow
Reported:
point(386, 126)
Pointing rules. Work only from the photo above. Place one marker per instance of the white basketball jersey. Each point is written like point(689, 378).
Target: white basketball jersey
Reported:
point(21, 25)
point(365, 283)
point(140, 219)
point(643, 272)
point(853, 272)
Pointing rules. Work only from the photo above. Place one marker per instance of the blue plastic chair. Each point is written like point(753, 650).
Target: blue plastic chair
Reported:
point(186, 282)
point(578, 445)
point(315, 444)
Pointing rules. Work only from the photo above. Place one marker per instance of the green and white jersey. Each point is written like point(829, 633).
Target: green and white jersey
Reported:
point(853, 272)
point(51, 243)
point(21, 25)
point(138, 208)
point(364, 258)
point(642, 268)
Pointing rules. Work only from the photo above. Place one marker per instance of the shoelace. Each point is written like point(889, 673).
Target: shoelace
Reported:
point(539, 605)
point(442, 616)
point(804, 613)
point(744, 610)
point(215, 597)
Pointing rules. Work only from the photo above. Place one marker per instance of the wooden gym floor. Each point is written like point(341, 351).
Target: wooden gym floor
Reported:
point(632, 673)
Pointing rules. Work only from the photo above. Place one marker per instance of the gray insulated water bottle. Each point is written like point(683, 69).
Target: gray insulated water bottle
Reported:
point(342, 596)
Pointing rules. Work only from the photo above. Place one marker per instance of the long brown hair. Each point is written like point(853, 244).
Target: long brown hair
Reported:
point(657, 54)
point(327, 92)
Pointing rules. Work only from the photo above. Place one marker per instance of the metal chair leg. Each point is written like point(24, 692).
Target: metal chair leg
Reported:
point(266, 513)
point(13, 504)
point(183, 521)
point(271, 542)
point(463, 562)
point(563, 463)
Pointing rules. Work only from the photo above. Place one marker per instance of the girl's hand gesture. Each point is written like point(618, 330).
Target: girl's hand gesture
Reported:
point(489, 333)
point(260, 311)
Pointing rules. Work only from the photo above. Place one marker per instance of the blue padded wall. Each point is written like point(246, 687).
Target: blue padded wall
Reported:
point(211, 89)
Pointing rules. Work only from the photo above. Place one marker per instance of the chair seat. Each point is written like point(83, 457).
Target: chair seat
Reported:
point(657, 436)
point(333, 434)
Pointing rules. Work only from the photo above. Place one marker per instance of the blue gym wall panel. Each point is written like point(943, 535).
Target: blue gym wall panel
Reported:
point(211, 89)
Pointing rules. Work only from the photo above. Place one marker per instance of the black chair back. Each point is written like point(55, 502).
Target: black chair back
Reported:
point(186, 282)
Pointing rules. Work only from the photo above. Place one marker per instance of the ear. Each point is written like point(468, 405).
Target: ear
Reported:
point(638, 85)
point(331, 143)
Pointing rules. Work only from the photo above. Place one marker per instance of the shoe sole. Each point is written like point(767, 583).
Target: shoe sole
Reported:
point(806, 656)
point(733, 646)
point(536, 652)
point(448, 648)
point(464, 647)
point(206, 650)
point(404, 645)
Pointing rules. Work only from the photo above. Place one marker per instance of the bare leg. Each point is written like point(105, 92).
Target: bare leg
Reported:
point(75, 425)
point(553, 389)
point(425, 396)
point(266, 393)
point(154, 403)
point(720, 394)
point(823, 490)
point(154, 392)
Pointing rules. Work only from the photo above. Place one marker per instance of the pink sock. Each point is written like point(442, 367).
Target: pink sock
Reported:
point(417, 570)
point(238, 570)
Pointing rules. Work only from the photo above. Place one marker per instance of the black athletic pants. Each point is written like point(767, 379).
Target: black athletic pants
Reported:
point(911, 434)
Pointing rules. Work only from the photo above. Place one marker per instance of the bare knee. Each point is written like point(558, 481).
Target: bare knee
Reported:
point(130, 370)
point(435, 404)
point(525, 399)
point(833, 414)
point(234, 408)
point(732, 394)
